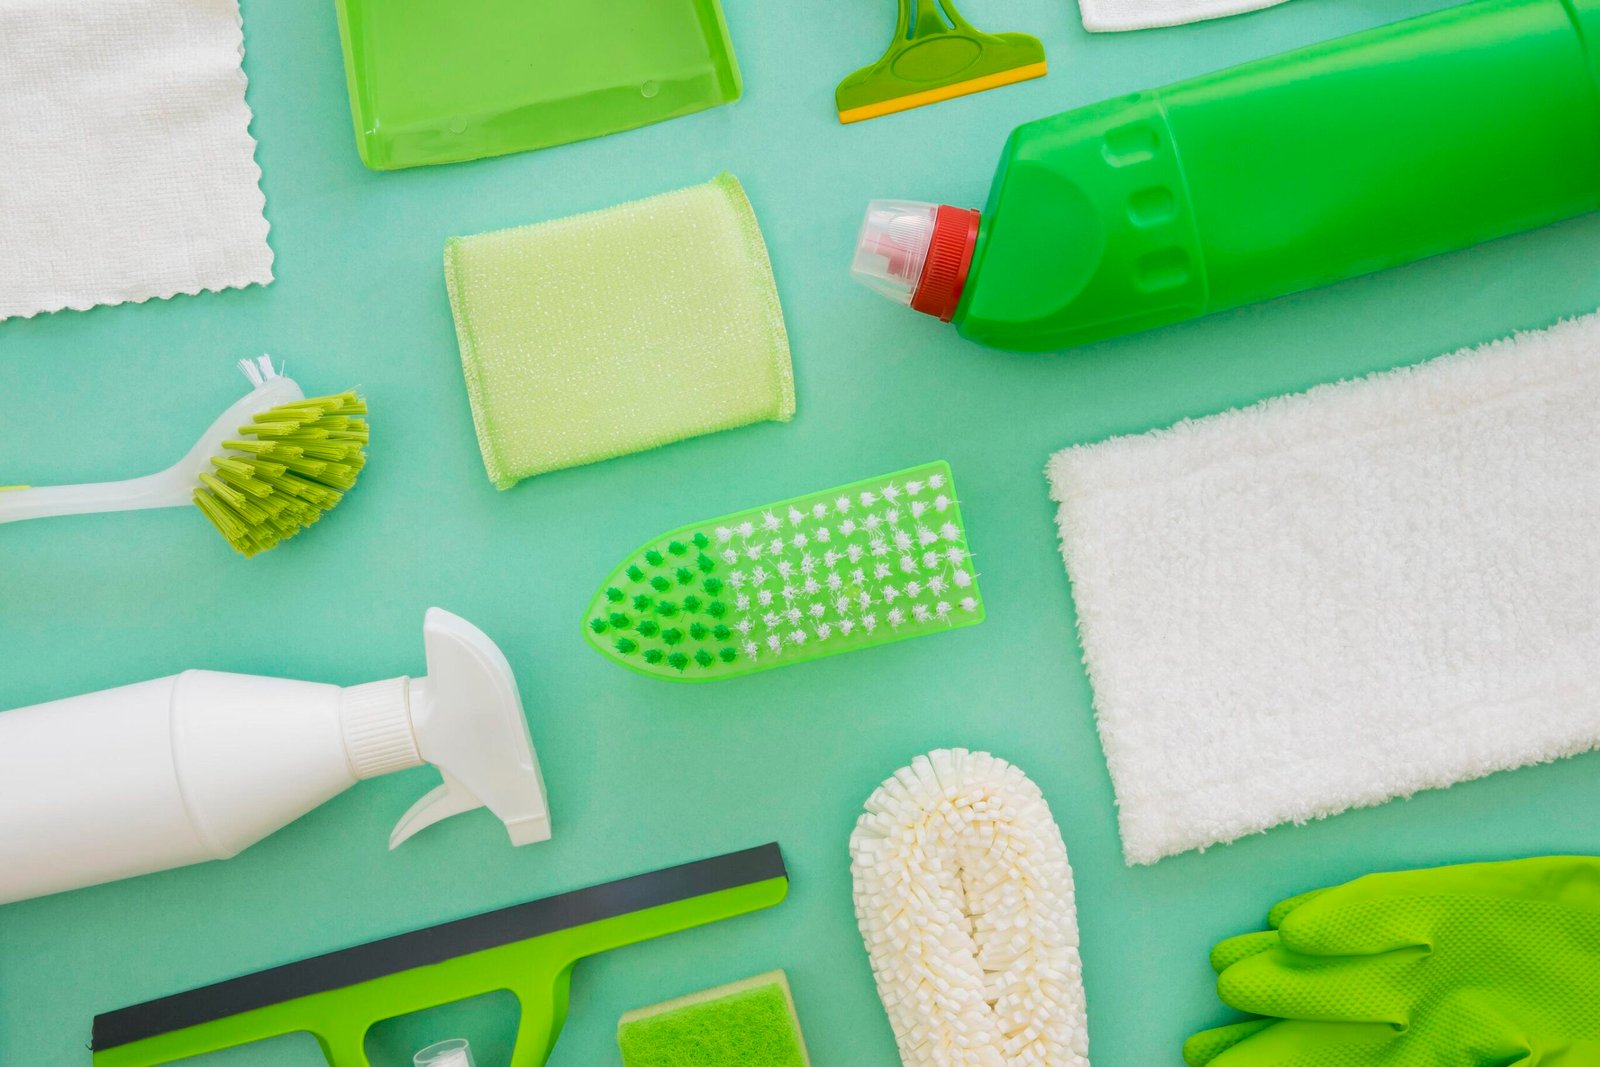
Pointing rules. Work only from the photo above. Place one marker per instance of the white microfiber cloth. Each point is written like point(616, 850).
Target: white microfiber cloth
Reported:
point(1328, 600)
point(1109, 15)
point(127, 169)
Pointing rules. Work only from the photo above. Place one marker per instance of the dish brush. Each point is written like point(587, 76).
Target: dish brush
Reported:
point(862, 565)
point(268, 467)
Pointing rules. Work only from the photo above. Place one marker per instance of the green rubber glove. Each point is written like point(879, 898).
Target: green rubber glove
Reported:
point(1483, 965)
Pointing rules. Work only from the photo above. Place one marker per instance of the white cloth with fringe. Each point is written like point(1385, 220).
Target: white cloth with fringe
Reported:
point(127, 169)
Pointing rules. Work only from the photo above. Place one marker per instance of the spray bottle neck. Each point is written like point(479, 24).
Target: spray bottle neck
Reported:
point(375, 721)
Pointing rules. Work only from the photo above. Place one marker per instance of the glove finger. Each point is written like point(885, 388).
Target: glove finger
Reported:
point(1207, 1045)
point(1291, 1043)
point(1337, 925)
point(1384, 912)
point(1284, 908)
point(1287, 985)
point(1227, 953)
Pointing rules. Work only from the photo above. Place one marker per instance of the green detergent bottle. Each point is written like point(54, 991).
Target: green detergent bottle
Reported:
point(1280, 175)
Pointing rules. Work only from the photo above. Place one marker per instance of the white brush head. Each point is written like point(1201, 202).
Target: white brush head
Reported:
point(962, 886)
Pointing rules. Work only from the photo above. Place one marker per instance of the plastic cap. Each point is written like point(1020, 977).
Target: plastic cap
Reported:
point(917, 254)
point(893, 247)
point(955, 236)
point(455, 1052)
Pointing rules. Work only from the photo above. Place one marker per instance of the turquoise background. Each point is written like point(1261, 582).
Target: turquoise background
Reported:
point(644, 774)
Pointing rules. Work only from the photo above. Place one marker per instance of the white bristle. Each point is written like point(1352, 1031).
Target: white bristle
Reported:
point(807, 571)
point(965, 902)
point(259, 370)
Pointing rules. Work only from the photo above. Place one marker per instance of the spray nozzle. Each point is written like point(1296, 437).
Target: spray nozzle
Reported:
point(467, 719)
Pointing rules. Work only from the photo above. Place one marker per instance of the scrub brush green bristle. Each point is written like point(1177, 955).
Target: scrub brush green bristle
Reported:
point(298, 462)
point(268, 467)
point(854, 567)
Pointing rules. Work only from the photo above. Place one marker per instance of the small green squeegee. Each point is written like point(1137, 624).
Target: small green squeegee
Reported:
point(936, 55)
point(862, 565)
point(529, 949)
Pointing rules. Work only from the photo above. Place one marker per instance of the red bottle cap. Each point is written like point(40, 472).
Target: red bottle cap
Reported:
point(955, 235)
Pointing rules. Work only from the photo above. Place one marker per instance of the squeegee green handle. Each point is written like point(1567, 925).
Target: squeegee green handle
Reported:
point(934, 50)
point(929, 20)
point(537, 971)
point(1290, 172)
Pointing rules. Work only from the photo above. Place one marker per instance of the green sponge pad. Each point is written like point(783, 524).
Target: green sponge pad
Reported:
point(619, 330)
point(746, 1024)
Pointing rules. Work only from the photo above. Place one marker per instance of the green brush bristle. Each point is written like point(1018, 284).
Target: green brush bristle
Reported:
point(291, 464)
point(862, 565)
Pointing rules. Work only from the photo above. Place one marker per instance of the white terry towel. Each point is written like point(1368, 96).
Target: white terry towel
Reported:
point(1109, 15)
point(127, 169)
point(1328, 600)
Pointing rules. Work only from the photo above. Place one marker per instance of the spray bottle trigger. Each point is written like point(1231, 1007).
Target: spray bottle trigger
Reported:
point(436, 805)
point(468, 721)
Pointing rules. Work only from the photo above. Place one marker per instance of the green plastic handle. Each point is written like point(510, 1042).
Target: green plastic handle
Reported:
point(1290, 172)
point(936, 55)
point(538, 971)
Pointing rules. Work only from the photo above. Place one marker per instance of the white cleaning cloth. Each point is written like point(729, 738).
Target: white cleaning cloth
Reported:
point(1108, 15)
point(1328, 600)
point(127, 169)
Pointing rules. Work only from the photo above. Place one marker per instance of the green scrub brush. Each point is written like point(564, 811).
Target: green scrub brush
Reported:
point(266, 469)
point(854, 567)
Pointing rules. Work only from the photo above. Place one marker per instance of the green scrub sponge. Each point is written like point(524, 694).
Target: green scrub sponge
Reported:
point(619, 330)
point(746, 1024)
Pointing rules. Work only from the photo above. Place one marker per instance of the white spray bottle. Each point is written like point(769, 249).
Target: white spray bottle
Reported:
point(201, 765)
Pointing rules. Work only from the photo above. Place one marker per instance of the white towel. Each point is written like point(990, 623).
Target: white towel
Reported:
point(127, 169)
point(1109, 15)
point(1329, 600)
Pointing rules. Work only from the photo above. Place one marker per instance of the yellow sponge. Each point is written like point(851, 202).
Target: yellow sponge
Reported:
point(746, 1024)
point(627, 328)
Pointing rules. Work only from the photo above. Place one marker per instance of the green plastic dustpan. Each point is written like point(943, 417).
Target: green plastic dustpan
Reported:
point(438, 81)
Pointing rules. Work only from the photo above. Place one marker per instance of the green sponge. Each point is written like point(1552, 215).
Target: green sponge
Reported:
point(595, 336)
point(746, 1024)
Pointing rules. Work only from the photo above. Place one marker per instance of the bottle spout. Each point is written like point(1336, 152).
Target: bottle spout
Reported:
point(468, 721)
point(917, 254)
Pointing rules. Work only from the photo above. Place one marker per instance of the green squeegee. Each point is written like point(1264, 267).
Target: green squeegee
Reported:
point(529, 949)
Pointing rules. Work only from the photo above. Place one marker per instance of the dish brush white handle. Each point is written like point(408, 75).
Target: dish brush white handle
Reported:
point(168, 489)
point(171, 488)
